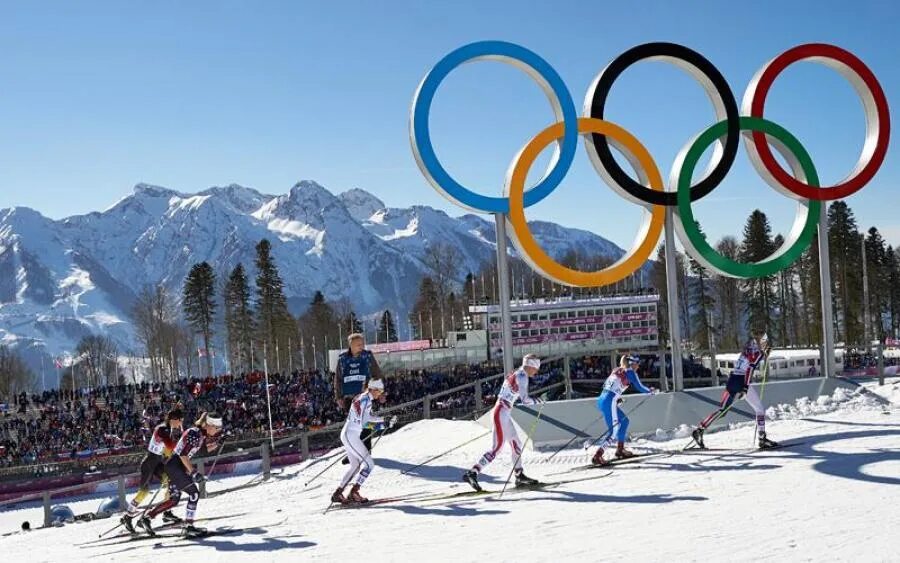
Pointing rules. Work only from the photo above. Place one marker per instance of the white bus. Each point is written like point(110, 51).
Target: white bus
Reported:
point(784, 364)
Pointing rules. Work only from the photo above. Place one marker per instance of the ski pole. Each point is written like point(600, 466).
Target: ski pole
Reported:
point(429, 460)
point(762, 389)
point(148, 507)
point(614, 426)
point(216, 459)
point(521, 451)
point(567, 444)
point(335, 462)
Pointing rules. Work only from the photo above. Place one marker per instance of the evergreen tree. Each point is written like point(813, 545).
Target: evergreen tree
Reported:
point(844, 242)
point(274, 322)
point(470, 287)
point(879, 283)
point(319, 324)
point(199, 305)
point(423, 312)
point(892, 264)
point(810, 296)
point(702, 303)
point(756, 246)
point(239, 325)
point(783, 299)
point(387, 331)
point(658, 281)
point(350, 324)
point(728, 296)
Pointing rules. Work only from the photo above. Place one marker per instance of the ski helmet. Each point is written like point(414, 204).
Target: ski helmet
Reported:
point(109, 507)
point(60, 514)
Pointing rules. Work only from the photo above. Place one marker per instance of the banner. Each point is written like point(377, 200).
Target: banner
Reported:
point(407, 346)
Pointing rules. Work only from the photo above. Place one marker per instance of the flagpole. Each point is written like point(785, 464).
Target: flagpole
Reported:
point(277, 358)
point(302, 353)
point(268, 396)
point(43, 377)
point(290, 355)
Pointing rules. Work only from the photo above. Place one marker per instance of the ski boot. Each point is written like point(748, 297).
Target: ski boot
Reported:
point(523, 480)
point(355, 497)
point(622, 453)
point(191, 531)
point(126, 523)
point(765, 443)
point(697, 435)
point(145, 524)
point(170, 518)
point(598, 458)
point(338, 496)
point(471, 477)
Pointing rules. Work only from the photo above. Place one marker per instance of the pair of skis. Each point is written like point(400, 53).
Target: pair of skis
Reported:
point(462, 495)
point(165, 526)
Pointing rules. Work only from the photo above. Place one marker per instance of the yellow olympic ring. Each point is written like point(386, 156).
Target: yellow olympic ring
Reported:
point(651, 227)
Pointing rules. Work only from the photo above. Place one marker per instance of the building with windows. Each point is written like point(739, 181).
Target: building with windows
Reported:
point(574, 326)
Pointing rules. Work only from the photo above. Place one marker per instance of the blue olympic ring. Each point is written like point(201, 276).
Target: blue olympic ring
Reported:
point(538, 69)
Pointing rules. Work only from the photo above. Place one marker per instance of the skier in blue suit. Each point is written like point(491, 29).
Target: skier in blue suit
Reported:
point(617, 383)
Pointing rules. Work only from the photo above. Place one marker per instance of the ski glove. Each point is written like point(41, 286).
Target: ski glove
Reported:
point(392, 422)
point(198, 477)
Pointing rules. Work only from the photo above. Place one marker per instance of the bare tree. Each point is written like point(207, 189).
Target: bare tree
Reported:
point(445, 262)
point(153, 314)
point(100, 355)
point(15, 376)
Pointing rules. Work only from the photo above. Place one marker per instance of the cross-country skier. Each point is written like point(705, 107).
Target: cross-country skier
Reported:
point(163, 440)
point(515, 388)
point(356, 366)
point(616, 384)
point(738, 387)
point(359, 416)
point(182, 475)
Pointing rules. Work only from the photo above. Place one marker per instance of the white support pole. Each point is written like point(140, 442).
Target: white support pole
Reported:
point(268, 395)
point(672, 297)
point(503, 282)
point(866, 316)
point(827, 361)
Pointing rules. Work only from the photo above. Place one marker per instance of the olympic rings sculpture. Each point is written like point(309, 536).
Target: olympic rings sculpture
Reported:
point(648, 190)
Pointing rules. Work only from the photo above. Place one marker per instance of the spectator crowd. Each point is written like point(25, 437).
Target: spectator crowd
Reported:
point(61, 425)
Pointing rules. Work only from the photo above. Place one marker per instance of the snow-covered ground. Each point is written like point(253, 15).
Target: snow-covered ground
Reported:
point(835, 497)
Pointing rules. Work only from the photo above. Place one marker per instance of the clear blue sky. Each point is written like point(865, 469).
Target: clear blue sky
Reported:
point(98, 96)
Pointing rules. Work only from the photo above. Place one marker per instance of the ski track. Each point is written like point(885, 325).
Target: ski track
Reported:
point(833, 498)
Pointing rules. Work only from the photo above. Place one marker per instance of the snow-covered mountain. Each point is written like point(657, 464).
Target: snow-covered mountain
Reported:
point(60, 280)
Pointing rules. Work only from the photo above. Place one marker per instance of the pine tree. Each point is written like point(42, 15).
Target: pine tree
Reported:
point(387, 331)
point(350, 324)
point(319, 324)
point(729, 298)
point(844, 242)
point(469, 287)
point(892, 264)
point(658, 281)
point(275, 324)
point(702, 304)
point(810, 297)
point(239, 324)
point(423, 312)
point(199, 305)
point(756, 246)
point(879, 282)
